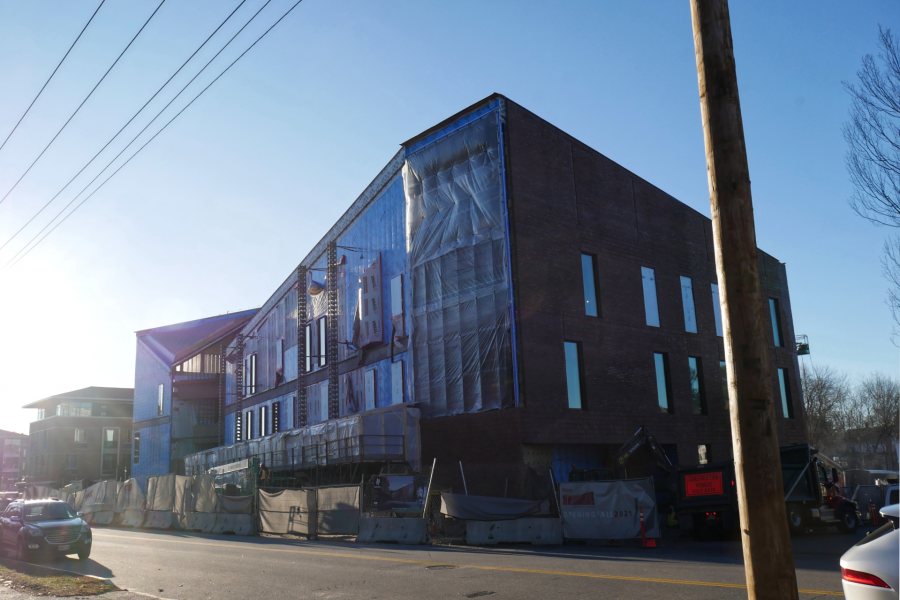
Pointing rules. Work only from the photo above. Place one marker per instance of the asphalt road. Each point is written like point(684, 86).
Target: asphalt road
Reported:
point(175, 565)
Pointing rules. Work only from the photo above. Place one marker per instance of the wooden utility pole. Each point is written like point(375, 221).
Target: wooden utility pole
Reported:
point(768, 559)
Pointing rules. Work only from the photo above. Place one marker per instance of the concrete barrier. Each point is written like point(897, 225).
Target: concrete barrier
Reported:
point(538, 532)
point(390, 529)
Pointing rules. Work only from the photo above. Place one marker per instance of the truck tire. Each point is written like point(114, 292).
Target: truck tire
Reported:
point(796, 520)
point(848, 520)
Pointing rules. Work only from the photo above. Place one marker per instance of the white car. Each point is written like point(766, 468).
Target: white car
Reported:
point(869, 570)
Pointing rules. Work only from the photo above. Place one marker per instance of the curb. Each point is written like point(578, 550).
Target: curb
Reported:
point(57, 570)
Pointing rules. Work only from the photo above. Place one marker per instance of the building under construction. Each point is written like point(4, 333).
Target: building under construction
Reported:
point(501, 295)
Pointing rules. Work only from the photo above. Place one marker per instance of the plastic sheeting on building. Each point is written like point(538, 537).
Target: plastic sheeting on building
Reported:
point(488, 508)
point(390, 433)
point(288, 511)
point(608, 510)
point(457, 243)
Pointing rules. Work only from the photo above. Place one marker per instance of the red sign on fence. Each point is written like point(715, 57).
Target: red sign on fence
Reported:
point(703, 484)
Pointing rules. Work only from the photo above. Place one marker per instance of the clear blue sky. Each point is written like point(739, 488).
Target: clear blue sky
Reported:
point(216, 212)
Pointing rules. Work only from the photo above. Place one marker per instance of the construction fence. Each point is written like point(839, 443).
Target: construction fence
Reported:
point(169, 502)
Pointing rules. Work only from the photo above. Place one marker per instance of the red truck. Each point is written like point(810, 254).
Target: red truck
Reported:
point(707, 496)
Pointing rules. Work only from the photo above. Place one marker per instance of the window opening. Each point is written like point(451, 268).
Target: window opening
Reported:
point(574, 385)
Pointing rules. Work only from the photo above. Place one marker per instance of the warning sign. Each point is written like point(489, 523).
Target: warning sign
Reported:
point(703, 484)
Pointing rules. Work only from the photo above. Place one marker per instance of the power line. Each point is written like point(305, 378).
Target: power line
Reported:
point(133, 117)
point(138, 135)
point(27, 250)
point(61, 61)
point(72, 116)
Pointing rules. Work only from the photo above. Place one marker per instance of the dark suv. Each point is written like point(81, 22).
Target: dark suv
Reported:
point(44, 527)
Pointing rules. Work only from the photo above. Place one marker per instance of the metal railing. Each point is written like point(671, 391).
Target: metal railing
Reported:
point(357, 449)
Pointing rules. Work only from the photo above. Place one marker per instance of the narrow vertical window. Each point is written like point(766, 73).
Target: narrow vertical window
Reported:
point(687, 301)
point(238, 427)
point(573, 373)
point(775, 316)
point(589, 284)
point(248, 425)
point(263, 420)
point(651, 308)
point(698, 400)
point(661, 365)
point(784, 386)
point(160, 398)
point(723, 375)
point(136, 448)
point(307, 345)
point(279, 361)
point(323, 329)
point(251, 374)
point(717, 308)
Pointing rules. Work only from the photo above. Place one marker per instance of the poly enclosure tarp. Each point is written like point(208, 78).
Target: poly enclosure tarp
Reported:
point(458, 259)
point(370, 436)
point(288, 511)
point(608, 510)
point(487, 508)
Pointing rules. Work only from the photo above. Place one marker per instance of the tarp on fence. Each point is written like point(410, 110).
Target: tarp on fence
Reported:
point(487, 508)
point(337, 510)
point(192, 503)
point(98, 502)
point(288, 511)
point(40, 491)
point(130, 505)
point(608, 510)
point(162, 510)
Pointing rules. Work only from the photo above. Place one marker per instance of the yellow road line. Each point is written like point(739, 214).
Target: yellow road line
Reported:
point(410, 561)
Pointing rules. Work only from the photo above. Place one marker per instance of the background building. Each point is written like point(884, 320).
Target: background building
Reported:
point(178, 386)
point(81, 435)
point(535, 300)
point(13, 449)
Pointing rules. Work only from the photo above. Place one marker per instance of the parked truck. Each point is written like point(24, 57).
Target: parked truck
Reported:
point(707, 494)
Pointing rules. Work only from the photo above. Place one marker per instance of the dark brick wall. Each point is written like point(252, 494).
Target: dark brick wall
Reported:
point(565, 199)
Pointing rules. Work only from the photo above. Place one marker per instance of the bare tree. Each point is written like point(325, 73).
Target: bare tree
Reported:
point(870, 422)
point(873, 135)
point(873, 157)
point(826, 395)
point(890, 267)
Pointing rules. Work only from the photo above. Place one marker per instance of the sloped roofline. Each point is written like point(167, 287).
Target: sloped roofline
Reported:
point(108, 394)
point(161, 352)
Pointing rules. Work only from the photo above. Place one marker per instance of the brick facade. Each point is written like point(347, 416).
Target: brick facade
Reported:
point(566, 199)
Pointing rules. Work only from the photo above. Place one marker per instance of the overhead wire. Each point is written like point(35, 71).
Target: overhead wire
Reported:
point(139, 133)
point(29, 247)
point(121, 129)
point(72, 116)
point(58, 65)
